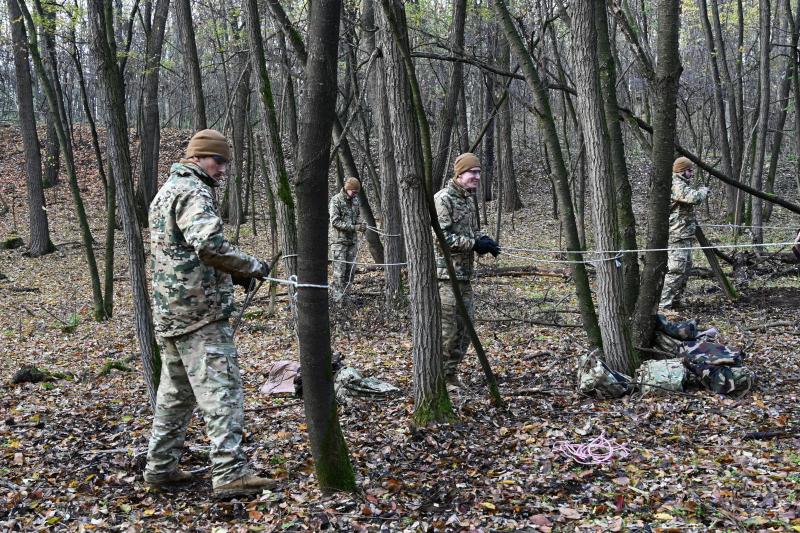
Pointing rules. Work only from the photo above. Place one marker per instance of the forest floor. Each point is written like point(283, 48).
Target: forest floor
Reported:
point(71, 450)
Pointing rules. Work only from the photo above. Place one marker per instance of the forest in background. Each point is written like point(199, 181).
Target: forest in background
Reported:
point(577, 112)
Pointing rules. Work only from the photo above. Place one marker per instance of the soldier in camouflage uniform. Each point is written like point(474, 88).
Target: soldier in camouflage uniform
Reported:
point(455, 209)
point(682, 225)
point(344, 212)
point(192, 300)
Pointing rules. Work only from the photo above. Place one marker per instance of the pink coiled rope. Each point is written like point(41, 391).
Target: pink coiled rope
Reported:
point(597, 451)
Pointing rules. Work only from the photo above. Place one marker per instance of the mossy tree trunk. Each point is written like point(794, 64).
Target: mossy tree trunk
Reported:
point(328, 447)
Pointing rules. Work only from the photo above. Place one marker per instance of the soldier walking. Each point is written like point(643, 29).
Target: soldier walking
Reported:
point(682, 225)
point(344, 213)
point(458, 218)
point(192, 299)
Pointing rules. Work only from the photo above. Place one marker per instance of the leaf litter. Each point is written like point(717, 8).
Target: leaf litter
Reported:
point(73, 449)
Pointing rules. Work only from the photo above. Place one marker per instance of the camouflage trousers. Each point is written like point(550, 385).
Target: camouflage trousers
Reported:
point(343, 256)
point(679, 263)
point(199, 368)
point(455, 339)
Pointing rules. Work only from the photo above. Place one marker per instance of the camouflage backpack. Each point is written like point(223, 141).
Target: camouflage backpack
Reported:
point(718, 368)
point(661, 376)
point(596, 379)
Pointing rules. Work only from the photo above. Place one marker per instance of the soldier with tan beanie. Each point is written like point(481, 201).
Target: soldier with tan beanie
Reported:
point(344, 212)
point(458, 219)
point(193, 266)
point(682, 225)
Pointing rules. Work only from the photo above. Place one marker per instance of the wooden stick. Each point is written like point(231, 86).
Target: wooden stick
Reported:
point(722, 279)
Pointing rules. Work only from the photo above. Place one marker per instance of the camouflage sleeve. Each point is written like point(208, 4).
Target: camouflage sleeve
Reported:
point(337, 216)
point(202, 229)
point(456, 241)
point(682, 192)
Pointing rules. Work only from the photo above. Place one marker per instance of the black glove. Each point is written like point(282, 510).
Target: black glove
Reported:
point(241, 281)
point(486, 245)
point(264, 270)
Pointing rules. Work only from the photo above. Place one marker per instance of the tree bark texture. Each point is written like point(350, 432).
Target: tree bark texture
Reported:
point(665, 90)
point(455, 84)
point(614, 327)
point(431, 401)
point(113, 90)
point(764, 17)
point(52, 160)
point(511, 199)
point(331, 458)
point(191, 63)
point(390, 196)
point(273, 149)
point(150, 133)
point(39, 229)
point(622, 184)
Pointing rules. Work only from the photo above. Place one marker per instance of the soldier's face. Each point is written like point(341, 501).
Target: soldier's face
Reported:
point(470, 179)
point(350, 193)
point(214, 168)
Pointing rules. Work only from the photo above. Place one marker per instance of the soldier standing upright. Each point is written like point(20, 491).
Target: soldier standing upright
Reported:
point(192, 300)
point(682, 225)
point(344, 213)
point(458, 218)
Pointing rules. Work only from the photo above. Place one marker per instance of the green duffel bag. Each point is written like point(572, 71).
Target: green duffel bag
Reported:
point(661, 376)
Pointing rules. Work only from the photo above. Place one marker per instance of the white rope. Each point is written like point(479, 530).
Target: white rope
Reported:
point(565, 261)
point(294, 283)
point(732, 226)
point(716, 246)
point(379, 232)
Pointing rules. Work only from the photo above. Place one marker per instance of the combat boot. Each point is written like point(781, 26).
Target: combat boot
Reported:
point(246, 485)
point(167, 480)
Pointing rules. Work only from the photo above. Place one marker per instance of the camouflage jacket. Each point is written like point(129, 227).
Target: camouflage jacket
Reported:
point(192, 261)
point(458, 218)
point(682, 222)
point(344, 216)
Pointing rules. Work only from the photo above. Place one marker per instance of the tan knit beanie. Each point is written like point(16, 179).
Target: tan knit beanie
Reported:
point(464, 162)
point(681, 164)
point(208, 142)
point(352, 184)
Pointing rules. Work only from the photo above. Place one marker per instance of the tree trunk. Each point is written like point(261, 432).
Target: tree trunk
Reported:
point(289, 122)
point(150, 133)
point(622, 184)
point(113, 90)
point(185, 24)
point(511, 200)
point(665, 90)
point(780, 122)
point(456, 82)
point(272, 145)
point(566, 212)
point(390, 195)
point(733, 132)
point(331, 458)
point(614, 326)
point(431, 401)
point(239, 126)
point(54, 99)
point(39, 242)
point(52, 161)
point(763, 118)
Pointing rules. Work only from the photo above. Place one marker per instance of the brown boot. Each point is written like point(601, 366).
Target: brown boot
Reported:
point(246, 485)
point(167, 480)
